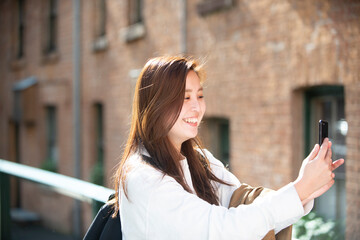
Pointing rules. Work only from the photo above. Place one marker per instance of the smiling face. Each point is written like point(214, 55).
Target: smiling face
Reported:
point(192, 111)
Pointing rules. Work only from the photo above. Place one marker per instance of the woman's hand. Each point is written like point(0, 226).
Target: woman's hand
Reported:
point(315, 175)
point(326, 187)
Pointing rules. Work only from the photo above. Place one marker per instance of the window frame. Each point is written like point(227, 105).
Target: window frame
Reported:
point(329, 92)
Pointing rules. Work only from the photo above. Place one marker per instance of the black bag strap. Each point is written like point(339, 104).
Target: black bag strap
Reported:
point(104, 226)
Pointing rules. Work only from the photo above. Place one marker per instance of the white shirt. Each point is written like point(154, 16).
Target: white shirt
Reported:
point(159, 208)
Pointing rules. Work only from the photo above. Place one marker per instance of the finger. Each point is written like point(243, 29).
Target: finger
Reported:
point(328, 157)
point(323, 149)
point(314, 152)
point(329, 184)
point(322, 190)
point(337, 164)
point(329, 151)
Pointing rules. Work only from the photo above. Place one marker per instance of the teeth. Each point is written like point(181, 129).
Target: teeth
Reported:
point(191, 120)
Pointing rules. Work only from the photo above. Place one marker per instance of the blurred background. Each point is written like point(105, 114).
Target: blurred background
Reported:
point(274, 69)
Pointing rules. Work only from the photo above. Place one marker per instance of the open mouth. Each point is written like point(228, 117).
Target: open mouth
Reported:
point(191, 121)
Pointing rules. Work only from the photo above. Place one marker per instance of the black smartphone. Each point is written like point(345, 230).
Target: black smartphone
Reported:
point(323, 131)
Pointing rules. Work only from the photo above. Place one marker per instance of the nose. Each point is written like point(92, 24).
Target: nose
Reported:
point(195, 105)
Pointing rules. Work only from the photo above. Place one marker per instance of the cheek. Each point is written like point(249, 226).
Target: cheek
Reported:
point(182, 113)
point(203, 107)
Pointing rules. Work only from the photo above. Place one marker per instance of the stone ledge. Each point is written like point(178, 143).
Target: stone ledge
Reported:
point(210, 6)
point(50, 58)
point(133, 32)
point(100, 44)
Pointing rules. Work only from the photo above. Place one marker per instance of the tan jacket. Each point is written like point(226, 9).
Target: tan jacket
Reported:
point(246, 194)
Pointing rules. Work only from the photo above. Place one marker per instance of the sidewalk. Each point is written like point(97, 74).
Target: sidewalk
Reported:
point(35, 231)
point(26, 225)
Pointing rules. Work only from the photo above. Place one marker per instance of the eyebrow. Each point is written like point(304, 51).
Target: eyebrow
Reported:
point(190, 90)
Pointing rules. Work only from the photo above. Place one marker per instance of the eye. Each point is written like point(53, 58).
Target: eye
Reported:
point(201, 96)
point(187, 98)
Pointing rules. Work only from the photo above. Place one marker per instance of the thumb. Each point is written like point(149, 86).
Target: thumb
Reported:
point(314, 152)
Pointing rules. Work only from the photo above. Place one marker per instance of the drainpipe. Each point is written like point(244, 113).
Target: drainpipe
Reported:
point(183, 27)
point(77, 109)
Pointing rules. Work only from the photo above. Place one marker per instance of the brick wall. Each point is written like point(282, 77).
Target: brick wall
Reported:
point(260, 58)
point(352, 161)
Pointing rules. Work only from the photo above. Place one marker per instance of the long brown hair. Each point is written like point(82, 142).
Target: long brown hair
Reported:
point(158, 99)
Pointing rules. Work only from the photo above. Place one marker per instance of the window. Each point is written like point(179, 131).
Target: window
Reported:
point(136, 28)
point(327, 103)
point(51, 27)
point(18, 34)
point(20, 29)
point(100, 26)
point(97, 172)
point(215, 134)
point(51, 161)
point(135, 11)
point(101, 18)
point(99, 133)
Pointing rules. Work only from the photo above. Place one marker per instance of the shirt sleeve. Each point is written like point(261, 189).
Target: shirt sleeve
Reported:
point(172, 210)
point(159, 208)
point(225, 192)
point(307, 209)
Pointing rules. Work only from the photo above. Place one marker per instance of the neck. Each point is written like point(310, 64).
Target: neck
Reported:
point(178, 150)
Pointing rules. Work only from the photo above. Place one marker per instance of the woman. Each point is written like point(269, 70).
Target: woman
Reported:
point(168, 187)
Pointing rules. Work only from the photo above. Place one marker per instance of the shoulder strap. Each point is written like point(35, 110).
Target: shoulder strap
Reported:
point(104, 226)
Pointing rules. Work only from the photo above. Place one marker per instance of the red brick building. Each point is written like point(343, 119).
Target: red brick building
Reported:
point(274, 69)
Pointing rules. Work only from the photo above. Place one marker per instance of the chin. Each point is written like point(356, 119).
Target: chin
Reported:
point(191, 136)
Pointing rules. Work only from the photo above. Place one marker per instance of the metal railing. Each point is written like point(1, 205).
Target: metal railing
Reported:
point(72, 187)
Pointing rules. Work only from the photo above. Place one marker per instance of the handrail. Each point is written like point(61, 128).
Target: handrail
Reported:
point(65, 185)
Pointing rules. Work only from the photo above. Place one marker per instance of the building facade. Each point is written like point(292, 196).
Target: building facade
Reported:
point(274, 68)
